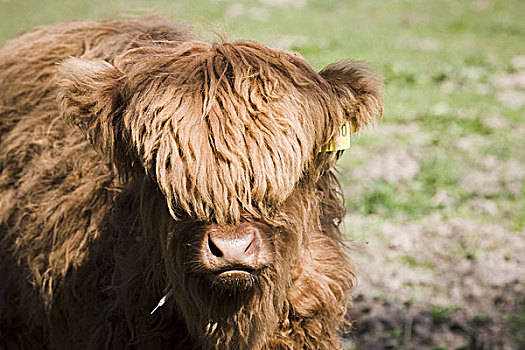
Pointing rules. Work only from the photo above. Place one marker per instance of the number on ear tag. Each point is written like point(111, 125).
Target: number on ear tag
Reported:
point(341, 141)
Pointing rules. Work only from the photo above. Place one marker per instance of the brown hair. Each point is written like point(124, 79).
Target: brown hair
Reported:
point(211, 165)
point(186, 134)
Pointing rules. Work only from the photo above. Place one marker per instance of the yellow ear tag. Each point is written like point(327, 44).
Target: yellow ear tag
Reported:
point(341, 141)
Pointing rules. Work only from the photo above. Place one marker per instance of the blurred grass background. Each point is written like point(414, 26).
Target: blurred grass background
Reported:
point(437, 189)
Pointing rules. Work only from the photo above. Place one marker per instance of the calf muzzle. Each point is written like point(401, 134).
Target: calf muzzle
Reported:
point(234, 255)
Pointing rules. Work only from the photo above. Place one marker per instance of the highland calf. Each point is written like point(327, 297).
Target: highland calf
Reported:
point(137, 162)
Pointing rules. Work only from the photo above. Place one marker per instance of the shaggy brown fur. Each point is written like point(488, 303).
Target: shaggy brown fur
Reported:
point(157, 139)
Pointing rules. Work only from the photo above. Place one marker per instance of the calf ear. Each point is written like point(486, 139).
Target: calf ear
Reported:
point(89, 96)
point(359, 92)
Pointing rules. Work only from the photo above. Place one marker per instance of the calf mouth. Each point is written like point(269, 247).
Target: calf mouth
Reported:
point(235, 279)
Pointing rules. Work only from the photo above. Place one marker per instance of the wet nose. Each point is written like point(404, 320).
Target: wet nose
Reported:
point(241, 250)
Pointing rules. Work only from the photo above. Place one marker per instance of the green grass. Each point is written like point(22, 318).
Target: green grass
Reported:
point(415, 263)
point(516, 321)
point(441, 315)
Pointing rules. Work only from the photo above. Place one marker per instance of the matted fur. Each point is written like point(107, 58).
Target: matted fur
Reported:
point(123, 142)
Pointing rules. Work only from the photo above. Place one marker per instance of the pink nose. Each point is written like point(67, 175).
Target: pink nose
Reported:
point(230, 248)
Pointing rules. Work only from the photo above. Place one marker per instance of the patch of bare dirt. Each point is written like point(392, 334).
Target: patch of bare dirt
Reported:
point(512, 99)
point(257, 13)
point(389, 165)
point(495, 176)
point(511, 87)
point(439, 282)
point(299, 4)
point(385, 324)
point(518, 62)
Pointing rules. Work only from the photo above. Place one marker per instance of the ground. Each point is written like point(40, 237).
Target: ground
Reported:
point(435, 193)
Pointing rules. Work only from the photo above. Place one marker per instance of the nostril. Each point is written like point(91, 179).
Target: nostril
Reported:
point(252, 246)
point(213, 248)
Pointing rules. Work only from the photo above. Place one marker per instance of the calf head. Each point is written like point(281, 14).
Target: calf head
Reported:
point(224, 139)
